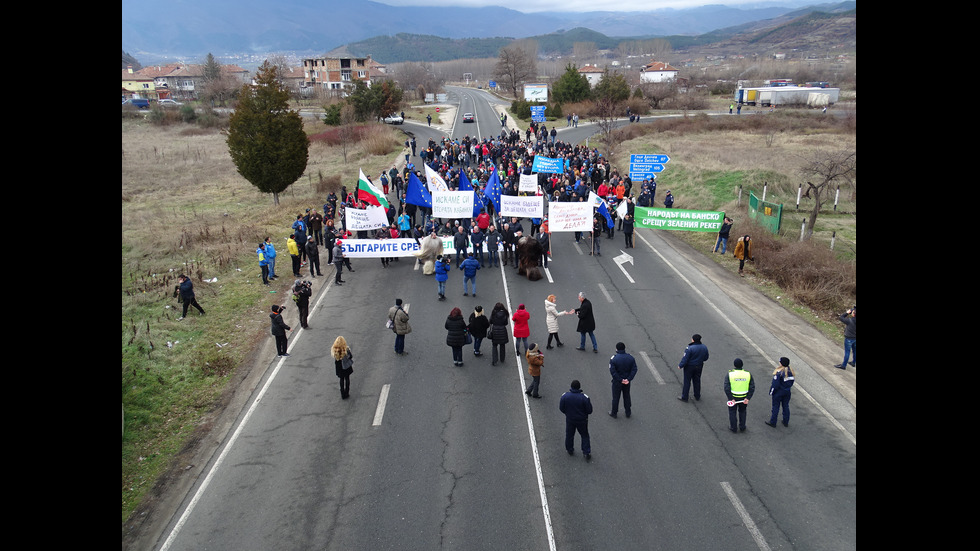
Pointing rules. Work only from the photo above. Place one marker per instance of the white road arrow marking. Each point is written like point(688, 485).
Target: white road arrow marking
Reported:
point(619, 260)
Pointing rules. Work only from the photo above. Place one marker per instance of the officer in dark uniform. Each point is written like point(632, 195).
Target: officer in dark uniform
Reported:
point(692, 363)
point(577, 407)
point(622, 367)
point(739, 387)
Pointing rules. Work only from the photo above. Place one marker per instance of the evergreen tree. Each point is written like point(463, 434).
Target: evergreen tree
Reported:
point(265, 138)
point(572, 86)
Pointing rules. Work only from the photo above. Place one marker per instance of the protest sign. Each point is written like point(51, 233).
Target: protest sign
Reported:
point(528, 183)
point(528, 206)
point(452, 204)
point(678, 219)
point(566, 216)
point(370, 218)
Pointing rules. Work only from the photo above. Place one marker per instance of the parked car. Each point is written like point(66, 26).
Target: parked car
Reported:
point(394, 118)
point(467, 117)
point(137, 102)
point(170, 102)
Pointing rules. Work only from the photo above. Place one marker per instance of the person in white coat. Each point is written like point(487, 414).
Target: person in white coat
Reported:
point(552, 313)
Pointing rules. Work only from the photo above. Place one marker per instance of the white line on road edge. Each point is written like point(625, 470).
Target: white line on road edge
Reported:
point(746, 519)
point(547, 272)
point(605, 292)
point(382, 401)
point(231, 441)
point(656, 375)
point(530, 430)
point(761, 352)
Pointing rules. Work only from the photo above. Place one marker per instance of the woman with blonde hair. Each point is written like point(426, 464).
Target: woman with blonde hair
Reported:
point(344, 361)
point(552, 313)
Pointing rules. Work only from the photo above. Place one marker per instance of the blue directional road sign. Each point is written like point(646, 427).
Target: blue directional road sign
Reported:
point(645, 166)
point(649, 158)
point(537, 113)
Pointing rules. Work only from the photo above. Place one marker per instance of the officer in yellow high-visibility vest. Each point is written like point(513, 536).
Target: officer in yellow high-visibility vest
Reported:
point(739, 387)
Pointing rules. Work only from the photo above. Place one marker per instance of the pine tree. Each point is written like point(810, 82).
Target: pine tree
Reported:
point(266, 139)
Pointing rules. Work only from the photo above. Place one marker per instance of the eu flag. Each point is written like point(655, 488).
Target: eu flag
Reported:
point(416, 193)
point(493, 190)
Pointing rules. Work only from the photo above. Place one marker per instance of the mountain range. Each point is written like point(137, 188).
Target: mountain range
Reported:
point(190, 29)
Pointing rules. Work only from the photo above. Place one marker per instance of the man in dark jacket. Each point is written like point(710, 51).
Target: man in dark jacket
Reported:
point(577, 407)
point(313, 253)
point(186, 289)
point(849, 319)
point(279, 329)
point(622, 368)
point(692, 363)
point(586, 322)
point(462, 242)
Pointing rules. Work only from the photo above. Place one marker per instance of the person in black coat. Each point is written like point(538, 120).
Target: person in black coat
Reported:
point(344, 363)
point(586, 322)
point(577, 407)
point(313, 254)
point(478, 327)
point(279, 329)
point(186, 290)
point(499, 319)
point(456, 337)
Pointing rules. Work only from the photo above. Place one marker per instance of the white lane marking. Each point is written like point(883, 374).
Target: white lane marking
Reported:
point(379, 413)
point(530, 429)
point(746, 519)
point(605, 292)
point(656, 375)
point(738, 330)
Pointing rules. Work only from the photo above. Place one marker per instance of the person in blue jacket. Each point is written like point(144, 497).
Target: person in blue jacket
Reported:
point(469, 267)
point(577, 407)
point(263, 263)
point(782, 380)
point(270, 255)
point(442, 268)
point(622, 368)
point(692, 363)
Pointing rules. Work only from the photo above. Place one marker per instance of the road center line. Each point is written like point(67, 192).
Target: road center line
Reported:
point(746, 519)
point(382, 402)
point(530, 429)
point(656, 375)
point(605, 292)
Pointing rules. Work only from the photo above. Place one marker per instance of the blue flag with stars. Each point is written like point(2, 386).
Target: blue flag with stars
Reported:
point(493, 190)
point(416, 193)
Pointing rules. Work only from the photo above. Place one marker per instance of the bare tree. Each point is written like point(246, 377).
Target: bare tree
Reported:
point(515, 65)
point(827, 169)
point(348, 118)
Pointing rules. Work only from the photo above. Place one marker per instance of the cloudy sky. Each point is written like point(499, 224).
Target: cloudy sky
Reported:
point(531, 6)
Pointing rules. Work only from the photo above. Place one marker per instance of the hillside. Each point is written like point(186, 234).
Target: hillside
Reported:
point(807, 30)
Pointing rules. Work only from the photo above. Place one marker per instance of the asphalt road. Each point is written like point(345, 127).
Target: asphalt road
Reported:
point(425, 455)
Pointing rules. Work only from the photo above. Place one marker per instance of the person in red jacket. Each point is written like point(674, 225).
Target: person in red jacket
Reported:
point(521, 328)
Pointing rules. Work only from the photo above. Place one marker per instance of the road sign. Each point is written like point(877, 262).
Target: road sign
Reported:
point(537, 113)
point(492, 84)
point(649, 158)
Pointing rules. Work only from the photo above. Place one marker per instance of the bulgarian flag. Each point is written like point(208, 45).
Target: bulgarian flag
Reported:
point(370, 194)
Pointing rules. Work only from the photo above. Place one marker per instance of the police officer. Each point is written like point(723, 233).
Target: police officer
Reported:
point(622, 367)
point(782, 380)
point(577, 407)
point(739, 387)
point(692, 363)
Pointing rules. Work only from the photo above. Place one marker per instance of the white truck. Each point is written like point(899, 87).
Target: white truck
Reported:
point(787, 95)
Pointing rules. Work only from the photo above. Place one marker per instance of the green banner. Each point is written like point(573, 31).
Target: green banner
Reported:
point(678, 219)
